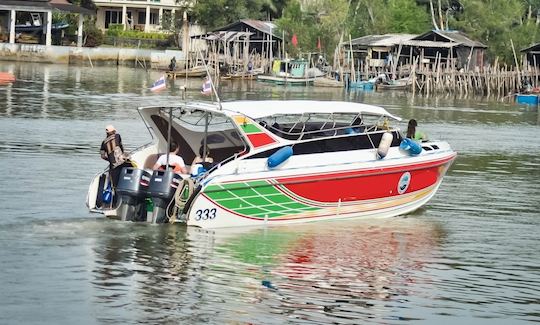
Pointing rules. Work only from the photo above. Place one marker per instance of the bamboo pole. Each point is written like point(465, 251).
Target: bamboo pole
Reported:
point(515, 58)
point(351, 58)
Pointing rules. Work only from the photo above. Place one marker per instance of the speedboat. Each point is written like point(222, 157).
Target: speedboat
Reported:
point(274, 163)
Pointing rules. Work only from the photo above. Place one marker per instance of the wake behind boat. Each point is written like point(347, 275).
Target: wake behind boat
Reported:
point(277, 162)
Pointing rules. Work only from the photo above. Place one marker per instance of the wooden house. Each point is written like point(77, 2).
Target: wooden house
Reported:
point(532, 54)
point(452, 48)
point(259, 37)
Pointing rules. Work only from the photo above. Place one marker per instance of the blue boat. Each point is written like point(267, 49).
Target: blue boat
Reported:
point(527, 99)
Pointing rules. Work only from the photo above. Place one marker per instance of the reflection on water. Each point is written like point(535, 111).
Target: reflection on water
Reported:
point(468, 256)
point(344, 272)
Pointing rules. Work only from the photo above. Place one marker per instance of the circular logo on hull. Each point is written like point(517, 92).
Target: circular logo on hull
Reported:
point(404, 182)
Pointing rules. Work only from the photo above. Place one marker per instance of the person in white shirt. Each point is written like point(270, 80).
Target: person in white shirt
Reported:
point(176, 162)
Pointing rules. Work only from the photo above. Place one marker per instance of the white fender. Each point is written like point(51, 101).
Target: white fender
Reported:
point(386, 141)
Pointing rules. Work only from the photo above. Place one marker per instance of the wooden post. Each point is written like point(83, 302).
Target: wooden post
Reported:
point(515, 59)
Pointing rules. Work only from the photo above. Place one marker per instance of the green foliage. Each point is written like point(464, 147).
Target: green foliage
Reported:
point(405, 16)
point(495, 23)
point(92, 34)
point(117, 30)
point(324, 19)
point(388, 16)
point(219, 13)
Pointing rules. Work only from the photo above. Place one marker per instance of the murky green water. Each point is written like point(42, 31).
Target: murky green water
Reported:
point(470, 256)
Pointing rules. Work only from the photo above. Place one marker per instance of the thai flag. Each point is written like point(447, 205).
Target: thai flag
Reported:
point(159, 84)
point(207, 87)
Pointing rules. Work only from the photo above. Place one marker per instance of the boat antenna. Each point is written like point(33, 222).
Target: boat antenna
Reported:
point(169, 138)
point(209, 76)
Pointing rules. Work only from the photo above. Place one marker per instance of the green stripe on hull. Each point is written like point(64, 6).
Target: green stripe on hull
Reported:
point(256, 199)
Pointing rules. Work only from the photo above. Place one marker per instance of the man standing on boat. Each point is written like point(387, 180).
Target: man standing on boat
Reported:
point(112, 150)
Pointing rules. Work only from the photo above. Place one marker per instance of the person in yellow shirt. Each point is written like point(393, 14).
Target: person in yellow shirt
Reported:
point(414, 134)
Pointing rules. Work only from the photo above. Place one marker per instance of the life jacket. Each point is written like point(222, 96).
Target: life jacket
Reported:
point(176, 168)
point(113, 150)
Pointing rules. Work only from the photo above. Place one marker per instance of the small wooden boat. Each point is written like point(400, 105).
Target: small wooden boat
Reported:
point(279, 80)
point(400, 84)
point(6, 77)
point(236, 76)
point(197, 71)
point(327, 82)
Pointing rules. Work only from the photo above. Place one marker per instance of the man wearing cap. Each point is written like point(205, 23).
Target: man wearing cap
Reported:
point(112, 150)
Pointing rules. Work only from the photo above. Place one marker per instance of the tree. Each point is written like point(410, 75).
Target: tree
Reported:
point(495, 23)
point(405, 16)
point(218, 13)
point(388, 16)
point(324, 19)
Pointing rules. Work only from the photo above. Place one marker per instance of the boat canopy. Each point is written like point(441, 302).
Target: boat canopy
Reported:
point(260, 109)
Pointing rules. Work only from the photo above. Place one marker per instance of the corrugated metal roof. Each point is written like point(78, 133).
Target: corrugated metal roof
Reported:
point(453, 36)
point(381, 40)
point(226, 36)
point(266, 27)
point(430, 44)
point(534, 47)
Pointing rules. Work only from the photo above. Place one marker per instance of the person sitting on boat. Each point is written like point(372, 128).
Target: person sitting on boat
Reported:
point(175, 162)
point(112, 150)
point(202, 159)
point(250, 67)
point(412, 133)
point(172, 65)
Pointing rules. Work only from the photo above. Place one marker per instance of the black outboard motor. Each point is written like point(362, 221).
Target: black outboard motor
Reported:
point(161, 189)
point(131, 189)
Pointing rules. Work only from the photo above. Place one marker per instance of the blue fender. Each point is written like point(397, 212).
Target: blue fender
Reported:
point(280, 156)
point(411, 146)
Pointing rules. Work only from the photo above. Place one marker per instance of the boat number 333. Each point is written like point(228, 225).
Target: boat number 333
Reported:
point(205, 214)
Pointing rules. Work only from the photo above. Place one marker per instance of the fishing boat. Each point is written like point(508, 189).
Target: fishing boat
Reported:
point(390, 84)
point(291, 72)
point(196, 71)
point(274, 163)
point(327, 82)
point(248, 75)
point(527, 99)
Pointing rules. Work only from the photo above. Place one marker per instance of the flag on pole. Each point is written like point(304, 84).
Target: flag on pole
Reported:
point(159, 84)
point(207, 87)
point(294, 40)
point(318, 43)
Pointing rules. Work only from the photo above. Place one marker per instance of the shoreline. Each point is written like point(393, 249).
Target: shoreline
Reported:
point(88, 56)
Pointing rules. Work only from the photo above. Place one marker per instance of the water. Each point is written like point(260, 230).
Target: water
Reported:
point(469, 256)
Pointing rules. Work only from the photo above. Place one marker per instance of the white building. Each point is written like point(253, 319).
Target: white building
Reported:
point(144, 15)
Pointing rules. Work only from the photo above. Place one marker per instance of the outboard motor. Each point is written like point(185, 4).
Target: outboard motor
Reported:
point(131, 189)
point(161, 189)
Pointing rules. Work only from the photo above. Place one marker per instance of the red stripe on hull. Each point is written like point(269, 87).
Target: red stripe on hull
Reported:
point(364, 185)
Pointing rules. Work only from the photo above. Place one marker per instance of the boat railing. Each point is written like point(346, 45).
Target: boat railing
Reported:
point(221, 163)
point(306, 132)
